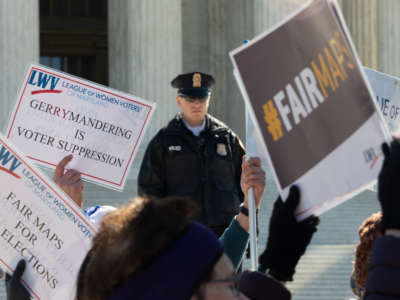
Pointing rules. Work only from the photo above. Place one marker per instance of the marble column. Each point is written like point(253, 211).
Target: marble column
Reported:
point(145, 53)
point(389, 37)
point(230, 22)
point(19, 46)
point(210, 29)
point(268, 13)
point(362, 20)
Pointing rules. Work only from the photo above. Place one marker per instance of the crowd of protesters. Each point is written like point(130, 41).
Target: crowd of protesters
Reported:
point(155, 248)
point(157, 252)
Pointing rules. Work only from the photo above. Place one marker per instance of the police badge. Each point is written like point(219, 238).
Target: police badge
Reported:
point(221, 149)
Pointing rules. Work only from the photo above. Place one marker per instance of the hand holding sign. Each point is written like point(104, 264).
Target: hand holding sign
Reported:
point(287, 238)
point(253, 176)
point(70, 182)
point(15, 290)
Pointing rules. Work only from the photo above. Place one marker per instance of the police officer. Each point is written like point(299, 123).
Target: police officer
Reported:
point(196, 156)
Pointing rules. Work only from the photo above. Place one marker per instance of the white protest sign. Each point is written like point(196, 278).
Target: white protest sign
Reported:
point(40, 224)
point(58, 114)
point(305, 90)
point(387, 92)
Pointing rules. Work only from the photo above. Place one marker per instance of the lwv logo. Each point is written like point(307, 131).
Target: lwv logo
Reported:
point(45, 81)
point(8, 162)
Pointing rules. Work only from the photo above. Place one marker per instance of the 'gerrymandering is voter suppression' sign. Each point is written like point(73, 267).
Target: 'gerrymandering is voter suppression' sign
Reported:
point(42, 225)
point(57, 114)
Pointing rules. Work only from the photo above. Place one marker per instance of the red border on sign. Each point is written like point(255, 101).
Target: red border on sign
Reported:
point(96, 88)
point(94, 231)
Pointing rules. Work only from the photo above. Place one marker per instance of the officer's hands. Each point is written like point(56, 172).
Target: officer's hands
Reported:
point(70, 182)
point(253, 176)
point(287, 239)
point(15, 290)
point(388, 186)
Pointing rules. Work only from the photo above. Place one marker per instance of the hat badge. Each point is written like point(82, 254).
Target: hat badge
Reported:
point(196, 80)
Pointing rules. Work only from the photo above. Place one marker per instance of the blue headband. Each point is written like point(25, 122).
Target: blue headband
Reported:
point(177, 273)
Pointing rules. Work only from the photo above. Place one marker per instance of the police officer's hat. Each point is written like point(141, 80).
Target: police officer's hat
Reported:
point(195, 84)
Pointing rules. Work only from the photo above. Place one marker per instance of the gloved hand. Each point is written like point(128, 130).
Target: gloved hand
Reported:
point(388, 186)
point(287, 239)
point(15, 290)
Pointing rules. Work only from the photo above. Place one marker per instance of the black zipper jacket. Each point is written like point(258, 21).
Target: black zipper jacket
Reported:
point(206, 169)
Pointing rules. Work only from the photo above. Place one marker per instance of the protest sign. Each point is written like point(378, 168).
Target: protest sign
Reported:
point(307, 95)
point(58, 114)
point(387, 95)
point(40, 224)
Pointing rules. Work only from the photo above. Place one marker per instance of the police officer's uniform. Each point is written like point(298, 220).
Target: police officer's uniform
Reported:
point(205, 168)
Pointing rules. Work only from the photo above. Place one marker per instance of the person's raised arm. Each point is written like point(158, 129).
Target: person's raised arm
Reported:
point(235, 238)
point(69, 181)
point(253, 176)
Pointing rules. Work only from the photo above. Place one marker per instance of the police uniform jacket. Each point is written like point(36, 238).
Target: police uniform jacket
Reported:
point(206, 168)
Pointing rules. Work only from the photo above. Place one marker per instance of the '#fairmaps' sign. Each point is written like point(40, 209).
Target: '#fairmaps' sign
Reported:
point(311, 104)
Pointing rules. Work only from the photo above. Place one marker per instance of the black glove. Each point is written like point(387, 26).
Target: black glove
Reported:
point(287, 239)
point(388, 186)
point(15, 290)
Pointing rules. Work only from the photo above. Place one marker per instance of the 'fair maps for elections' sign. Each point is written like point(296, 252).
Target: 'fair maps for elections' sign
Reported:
point(40, 224)
point(58, 114)
point(307, 93)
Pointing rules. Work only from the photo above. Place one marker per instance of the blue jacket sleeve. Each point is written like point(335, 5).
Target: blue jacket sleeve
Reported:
point(234, 242)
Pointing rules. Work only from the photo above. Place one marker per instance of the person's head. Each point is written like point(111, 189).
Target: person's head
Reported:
point(194, 90)
point(369, 231)
point(220, 283)
point(148, 249)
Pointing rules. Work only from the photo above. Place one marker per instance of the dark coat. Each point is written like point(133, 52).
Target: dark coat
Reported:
point(383, 281)
point(206, 169)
